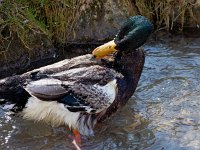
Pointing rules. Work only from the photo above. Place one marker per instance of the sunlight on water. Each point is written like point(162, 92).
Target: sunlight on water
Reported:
point(164, 112)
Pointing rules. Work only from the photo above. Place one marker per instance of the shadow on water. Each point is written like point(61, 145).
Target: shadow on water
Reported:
point(163, 114)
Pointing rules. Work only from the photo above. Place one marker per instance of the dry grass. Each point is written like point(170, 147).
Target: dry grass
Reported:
point(24, 22)
point(53, 18)
point(59, 16)
point(166, 13)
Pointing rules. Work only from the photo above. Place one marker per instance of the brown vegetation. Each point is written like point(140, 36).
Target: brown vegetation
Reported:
point(168, 14)
point(29, 29)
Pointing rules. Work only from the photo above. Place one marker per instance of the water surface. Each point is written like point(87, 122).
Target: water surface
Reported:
point(163, 114)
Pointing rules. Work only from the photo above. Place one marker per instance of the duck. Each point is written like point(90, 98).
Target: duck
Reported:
point(85, 90)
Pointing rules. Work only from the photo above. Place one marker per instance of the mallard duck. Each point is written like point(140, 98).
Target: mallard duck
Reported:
point(84, 90)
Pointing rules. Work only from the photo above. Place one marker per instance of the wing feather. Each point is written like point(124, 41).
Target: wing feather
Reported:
point(46, 89)
point(86, 89)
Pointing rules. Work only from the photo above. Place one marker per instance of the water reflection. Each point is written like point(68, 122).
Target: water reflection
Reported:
point(162, 114)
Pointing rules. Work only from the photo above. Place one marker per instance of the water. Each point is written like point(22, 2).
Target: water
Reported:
point(163, 114)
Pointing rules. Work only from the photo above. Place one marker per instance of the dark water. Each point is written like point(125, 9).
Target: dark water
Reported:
point(163, 114)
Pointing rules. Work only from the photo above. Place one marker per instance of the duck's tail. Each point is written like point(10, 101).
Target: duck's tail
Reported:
point(10, 86)
point(11, 91)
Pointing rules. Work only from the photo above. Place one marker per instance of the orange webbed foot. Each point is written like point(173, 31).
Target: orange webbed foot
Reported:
point(76, 139)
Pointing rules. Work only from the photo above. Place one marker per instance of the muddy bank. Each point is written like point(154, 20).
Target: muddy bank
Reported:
point(34, 34)
point(17, 58)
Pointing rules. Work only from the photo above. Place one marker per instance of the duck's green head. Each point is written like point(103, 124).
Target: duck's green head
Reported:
point(134, 33)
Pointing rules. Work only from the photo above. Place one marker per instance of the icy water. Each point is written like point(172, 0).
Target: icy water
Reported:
point(163, 114)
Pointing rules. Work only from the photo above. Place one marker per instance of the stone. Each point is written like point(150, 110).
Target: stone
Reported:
point(100, 20)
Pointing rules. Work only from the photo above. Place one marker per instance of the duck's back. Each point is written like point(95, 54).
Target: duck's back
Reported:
point(45, 82)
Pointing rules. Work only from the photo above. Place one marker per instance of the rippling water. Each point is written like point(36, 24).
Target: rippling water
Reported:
point(163, 114)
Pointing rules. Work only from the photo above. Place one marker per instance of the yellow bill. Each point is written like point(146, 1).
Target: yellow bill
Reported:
point(104, 50)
